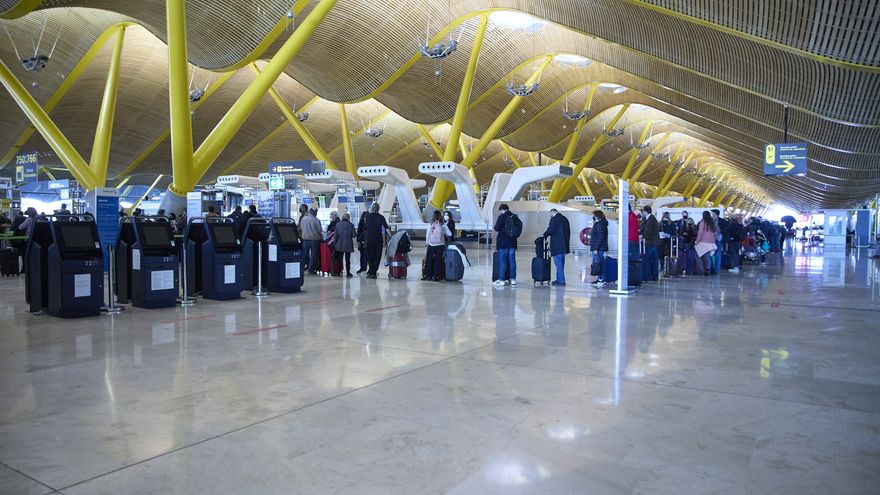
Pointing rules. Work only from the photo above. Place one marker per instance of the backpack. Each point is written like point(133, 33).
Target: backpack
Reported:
point(403, 245)
point(513, 227)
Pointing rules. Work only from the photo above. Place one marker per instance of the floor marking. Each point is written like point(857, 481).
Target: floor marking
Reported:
point(190, 318)
point(774, 304)
point(257, 330)
point(380, 309)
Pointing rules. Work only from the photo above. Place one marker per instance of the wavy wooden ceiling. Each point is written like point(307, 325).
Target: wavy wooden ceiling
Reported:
point(715, 73)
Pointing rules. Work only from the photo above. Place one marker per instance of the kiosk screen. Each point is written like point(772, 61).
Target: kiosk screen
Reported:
point(77, 236)
point(287, 233)
point(224, 235)
point(156, 235)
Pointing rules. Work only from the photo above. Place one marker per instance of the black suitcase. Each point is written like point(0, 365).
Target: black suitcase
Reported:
point(9, 262)
point(726, 262)
point(541, 262)
point(496, 266)
point(634, 277)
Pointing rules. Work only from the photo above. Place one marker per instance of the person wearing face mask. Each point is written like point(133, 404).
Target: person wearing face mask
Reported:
point(450, 226)
point(599, 244)
point(559, 232)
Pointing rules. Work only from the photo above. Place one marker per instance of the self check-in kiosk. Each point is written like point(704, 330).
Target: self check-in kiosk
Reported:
point(146, 263)
point(65, 267)
point(215, 262)
point(254, 238)
point(284, 259)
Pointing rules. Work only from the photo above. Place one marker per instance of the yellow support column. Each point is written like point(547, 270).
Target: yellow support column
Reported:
point(300, 129)
point(710, 188)
point(20, 9)
point(586, 183)
point(229, 125)
point(610, 186)
point(430, 139)
point(47, 128)
point(558, 192)
point(664, 186)
point(104, 129)
point(575, 137)
point(347, 148)
point(440, 197)
point(509, 152)
point(142, 196)
point(650, 158)
point(635, 153)
point(471, 170)
point(443, 189)
point(184, 178)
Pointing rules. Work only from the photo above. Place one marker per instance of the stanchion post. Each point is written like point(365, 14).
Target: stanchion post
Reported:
point(258, 290)
point(112, 308)
point(185, 300)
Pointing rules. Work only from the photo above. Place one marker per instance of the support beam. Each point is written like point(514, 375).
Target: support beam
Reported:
point(347, 148)
point(635, 152)
point(104, 129)
point(650, 158)
point(471, 171)
point(586, 184)
point(575, 138)
point(710, 188)
point(439, 196)
point(167, 132)
point(47, 128)
point(663, 189)
point(180, 129)
point(430, 140)
point(608, 185)
point(559, 192)
point(442, 188)
point(516, 163)
point(229, 125)
point(68, 82)
point(144, 195)
point(301, 129)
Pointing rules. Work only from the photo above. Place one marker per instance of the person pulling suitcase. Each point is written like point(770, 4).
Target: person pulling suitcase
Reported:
point(559, 232)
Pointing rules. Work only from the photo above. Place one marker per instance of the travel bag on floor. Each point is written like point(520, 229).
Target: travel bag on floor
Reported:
point(9, 262)
point(634, 275)
point(610, 274)
point(397, 266)
point(496, 266)
point(541, 262)
point(455, 261)
point(327, 260)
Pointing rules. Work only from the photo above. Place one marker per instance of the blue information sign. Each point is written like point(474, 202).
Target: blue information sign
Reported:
point(296, 167)
point(785, 159)
point(107, 220)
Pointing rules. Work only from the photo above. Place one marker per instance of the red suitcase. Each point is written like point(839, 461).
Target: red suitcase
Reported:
point(397, 266)
point(326, 259)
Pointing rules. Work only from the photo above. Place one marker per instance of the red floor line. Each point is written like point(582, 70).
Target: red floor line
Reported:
point(257, 330)
point(380, 309)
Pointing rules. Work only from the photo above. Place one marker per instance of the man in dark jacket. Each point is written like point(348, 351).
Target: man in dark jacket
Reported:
point(375, 227)
point(651, 234)
point(506, 246)
point(559, 232)
point(721, 238)
point(599, 243)
point(734, 243)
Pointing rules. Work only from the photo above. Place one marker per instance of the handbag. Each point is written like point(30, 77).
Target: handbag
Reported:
point(596, 269)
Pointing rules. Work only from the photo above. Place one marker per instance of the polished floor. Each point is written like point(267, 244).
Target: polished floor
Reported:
point(765, 382)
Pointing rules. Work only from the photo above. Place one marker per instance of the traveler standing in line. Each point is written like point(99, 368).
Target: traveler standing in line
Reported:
point(238, 217)
point(721, 237)
point(343, 243)
point(705, 245)
point(667, 232)
point(334, 220)
point(26, 227)
point(599, 243)
point(559, 232)
point(435, 245)
point(212, 212)
point(633, 235)
point(651, 234)
point(450, 224)
point(506, 245)
point(312, 235)
point(361, 243)
point(734, 243)
point(375, 228)
point(64, 210)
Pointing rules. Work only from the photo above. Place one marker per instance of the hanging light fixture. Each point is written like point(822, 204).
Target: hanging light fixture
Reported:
point(522, 89)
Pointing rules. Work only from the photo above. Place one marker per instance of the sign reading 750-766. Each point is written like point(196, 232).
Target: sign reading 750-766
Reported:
point(785, 159)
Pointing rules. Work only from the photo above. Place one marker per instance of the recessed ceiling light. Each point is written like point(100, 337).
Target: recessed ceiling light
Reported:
point(516, 20)
point(572, 59)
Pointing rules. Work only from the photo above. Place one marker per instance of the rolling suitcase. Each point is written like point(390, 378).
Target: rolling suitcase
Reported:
point(397, 266)
point(454, 264)
point(541, 262)
point(726, 262)
point(326, 259)
point(9, 262)
point(610, 274)
point(634, 275)
point(496, 266)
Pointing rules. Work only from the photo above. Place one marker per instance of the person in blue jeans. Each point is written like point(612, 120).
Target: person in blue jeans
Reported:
point(599, 243)
point(650, 231)
point(720, 239)
point(506, 249)
point(559, 232)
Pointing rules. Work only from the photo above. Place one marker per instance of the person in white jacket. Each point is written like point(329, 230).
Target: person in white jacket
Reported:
point(436, 241)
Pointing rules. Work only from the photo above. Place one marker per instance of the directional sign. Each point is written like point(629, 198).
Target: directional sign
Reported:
point(785, 159)
point(26, 167)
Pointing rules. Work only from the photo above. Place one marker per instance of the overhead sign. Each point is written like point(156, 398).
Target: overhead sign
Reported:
point(276, 183)
point(26, 167)
point(59, 184)
point(296, 167)
point(785, 159)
